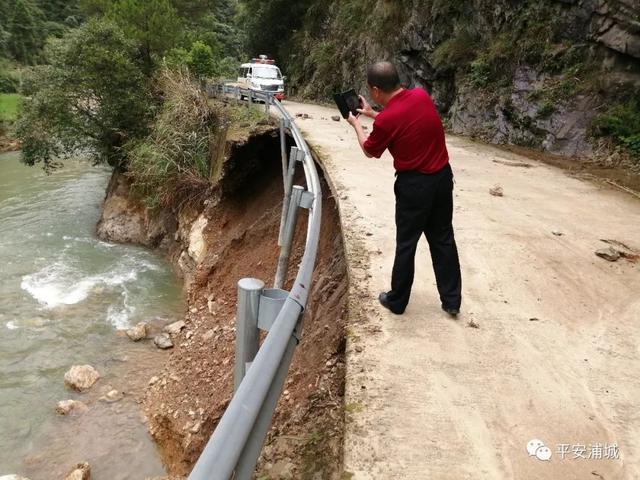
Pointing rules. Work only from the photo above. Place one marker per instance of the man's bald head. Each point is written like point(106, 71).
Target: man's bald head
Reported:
point(383, 75)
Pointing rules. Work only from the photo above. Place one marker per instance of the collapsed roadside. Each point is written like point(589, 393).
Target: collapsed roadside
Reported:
point(219, 223)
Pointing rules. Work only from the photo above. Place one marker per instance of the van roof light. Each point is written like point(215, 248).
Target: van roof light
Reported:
point(263, 59)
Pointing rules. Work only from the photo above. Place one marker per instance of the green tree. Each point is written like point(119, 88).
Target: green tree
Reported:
point(193, 10)
point(91, 97)
point(269, 25)
point(153, 24)
point(201, 61)
point(93, 8)
point(59, 11)
point(212, 22)
point(25, 31)
point(176, 58)
point(4, 33)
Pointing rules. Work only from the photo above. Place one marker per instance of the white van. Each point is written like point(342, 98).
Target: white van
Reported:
point(262, 75)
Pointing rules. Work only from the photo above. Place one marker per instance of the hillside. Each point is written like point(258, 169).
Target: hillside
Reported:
point(553, 74)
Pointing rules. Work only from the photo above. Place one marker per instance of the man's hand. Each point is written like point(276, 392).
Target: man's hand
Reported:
point(353, 121)
point(362, 137)
point(366, 109)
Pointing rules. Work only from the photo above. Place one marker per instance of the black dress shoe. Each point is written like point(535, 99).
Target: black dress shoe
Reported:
point(451, 311)
point(384, 301)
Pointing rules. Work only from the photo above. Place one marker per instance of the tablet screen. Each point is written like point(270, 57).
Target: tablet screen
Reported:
point(347, 102)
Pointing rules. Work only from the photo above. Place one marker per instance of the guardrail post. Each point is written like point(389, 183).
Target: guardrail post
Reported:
point(283, 151)
point(249, 291)
point(295, 156)
point(287, 235)
point(249, 457)
point(267, 104)
point(250, 97)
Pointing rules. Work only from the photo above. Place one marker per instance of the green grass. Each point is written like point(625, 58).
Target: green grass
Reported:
point(245, 114)
point(9, 106)
point(621, 123)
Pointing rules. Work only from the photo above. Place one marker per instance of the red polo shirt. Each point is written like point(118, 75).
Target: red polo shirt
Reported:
point(410, 127)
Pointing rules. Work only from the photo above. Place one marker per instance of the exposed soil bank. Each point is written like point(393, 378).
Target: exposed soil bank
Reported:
point(234, 235)
point(8, 144)
point(620, 173)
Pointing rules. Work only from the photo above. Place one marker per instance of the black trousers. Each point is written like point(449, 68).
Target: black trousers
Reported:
point(424, 205)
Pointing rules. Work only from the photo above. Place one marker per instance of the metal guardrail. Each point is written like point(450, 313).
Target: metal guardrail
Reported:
point(260, 373)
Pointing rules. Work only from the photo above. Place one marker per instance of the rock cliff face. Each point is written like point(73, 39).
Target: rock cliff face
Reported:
point(125, 219)
point(522, 72)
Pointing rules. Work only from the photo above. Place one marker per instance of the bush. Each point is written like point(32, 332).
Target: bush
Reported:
point(621, 123)
point(632, 143)
point(546, 110)
point(171, 166)
point(9, 82)
point(480, 72)
point(455, 53)
point(200, 60)
point(495, 65)
point(176, 59)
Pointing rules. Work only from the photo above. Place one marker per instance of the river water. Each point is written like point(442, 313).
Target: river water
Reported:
point(64, 294)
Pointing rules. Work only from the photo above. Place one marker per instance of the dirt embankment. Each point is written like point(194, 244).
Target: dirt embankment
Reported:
point(234, 235)
point(8, 144)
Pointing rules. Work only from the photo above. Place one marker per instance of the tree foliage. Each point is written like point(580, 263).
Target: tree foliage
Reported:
point(91, 97)
point(26, 24)
point(66, 12)
point(269, 25)
point(201, 60)
point(153, 24)
point(94, 90)
point(24, 31)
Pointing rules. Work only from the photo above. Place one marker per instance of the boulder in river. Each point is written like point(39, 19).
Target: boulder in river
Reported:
point(82, 471)
point(138, 332)
point(66, 407)
point(163, 341)
point(81, 377)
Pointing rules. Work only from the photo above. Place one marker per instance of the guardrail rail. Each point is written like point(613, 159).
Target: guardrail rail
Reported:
point(260, 371)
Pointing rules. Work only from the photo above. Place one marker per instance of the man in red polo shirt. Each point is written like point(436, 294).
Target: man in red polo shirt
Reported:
point(409, 126)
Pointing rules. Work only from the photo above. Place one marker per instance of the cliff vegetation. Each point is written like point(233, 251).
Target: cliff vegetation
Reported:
point(558, 75)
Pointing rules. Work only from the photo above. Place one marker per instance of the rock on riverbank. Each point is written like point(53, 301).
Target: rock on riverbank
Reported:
point(81, 377)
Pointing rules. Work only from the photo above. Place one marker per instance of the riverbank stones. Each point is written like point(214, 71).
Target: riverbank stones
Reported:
point(67, 407)
point(81, 377)
point(82, 471)
point(138, 332)
point(175, 327)
point(163, 341)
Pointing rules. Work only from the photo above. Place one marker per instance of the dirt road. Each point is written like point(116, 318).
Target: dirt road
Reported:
point(556, 354)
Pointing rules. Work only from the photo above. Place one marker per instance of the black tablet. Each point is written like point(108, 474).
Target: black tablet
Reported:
point(347, 102)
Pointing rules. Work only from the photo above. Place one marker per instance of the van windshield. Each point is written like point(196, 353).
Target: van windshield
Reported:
point(265, 72)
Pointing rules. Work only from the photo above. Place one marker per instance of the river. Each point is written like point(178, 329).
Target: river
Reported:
point(64, 294)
